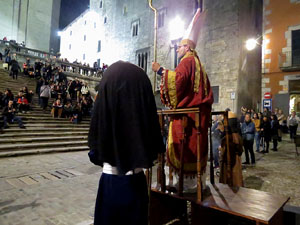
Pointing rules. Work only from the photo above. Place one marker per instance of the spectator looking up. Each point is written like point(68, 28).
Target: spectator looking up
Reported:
point(293, 121)
point(265, 129)
point(274, 131)
point(248, 132)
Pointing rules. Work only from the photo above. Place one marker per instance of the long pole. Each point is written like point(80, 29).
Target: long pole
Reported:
point(155, 42)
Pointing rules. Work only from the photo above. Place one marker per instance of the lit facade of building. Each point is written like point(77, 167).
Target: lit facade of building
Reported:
point(124, 29)
point(81, 40)
point(281, 53)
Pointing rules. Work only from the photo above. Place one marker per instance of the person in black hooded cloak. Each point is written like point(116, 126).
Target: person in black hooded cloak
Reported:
point(124, 138)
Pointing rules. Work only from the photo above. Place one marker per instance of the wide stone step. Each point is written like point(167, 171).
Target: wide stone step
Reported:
point(46, 118)
point(35, 114)
point(43, 150)
point(41, 139)
point(6, 147)
point(50, 125)
point(39, 129)
point(40, 134)
point(51, 121)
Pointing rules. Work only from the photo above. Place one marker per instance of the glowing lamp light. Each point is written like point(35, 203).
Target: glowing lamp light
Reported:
point(59, 33)
point(251, 44)
point(176, 28)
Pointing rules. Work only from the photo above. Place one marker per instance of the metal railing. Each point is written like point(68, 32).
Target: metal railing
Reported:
point(23, 52)
point(18, 49)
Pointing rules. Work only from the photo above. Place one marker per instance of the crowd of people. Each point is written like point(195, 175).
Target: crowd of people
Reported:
point(257, 130)
point(71, 99)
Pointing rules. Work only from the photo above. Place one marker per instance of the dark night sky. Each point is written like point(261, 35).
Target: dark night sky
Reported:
point(70, 9)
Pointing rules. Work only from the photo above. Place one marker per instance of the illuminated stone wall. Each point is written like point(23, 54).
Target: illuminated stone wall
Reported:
point(33, 21)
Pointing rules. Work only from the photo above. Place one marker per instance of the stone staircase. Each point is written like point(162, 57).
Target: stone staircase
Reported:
point(43, 134)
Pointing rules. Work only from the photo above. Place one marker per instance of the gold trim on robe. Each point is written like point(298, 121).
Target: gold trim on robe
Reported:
point(172, 88)
point(187, 167)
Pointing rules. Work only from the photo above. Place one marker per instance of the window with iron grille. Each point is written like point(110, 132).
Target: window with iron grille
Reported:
point(99, 46)
point(142, 58)
point(161, 17)
point(135, 28)
point(199, 4)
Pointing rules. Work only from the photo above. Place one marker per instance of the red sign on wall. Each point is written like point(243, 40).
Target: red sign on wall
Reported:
point(267, 95)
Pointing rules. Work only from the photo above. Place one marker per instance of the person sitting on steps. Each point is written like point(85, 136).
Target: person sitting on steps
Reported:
point(57, 109)
point(10, 117)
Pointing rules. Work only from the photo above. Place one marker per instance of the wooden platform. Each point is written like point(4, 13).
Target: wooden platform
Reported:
point(222, 203)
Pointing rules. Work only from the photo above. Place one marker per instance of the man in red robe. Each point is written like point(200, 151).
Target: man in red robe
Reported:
point(186, 87)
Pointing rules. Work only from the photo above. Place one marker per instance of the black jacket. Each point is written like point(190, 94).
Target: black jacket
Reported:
point(274, 128)
point(266, 133)
point(15, 65)
point(8, 112)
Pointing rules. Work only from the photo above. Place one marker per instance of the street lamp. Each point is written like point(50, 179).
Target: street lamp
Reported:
point(251, 44)
point(176, 28)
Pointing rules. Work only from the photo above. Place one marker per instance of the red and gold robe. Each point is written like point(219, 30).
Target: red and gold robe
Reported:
point(187, 87)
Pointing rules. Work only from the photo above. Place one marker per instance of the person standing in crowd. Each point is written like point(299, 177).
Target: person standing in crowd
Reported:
point(252, 112)
point(15, 68)
point(8, 60)
point(248, 132)
point(274, 131)
point(281, 118)
point(37, 68)
point(267, 113)
point(39, 84)
point(217, 133)
point(124, 137)
point(276, 111)
point(243, 111)
point(256, 122)
point(260, 116)
point(265, 129)
point(45, 93)
point(293, 121)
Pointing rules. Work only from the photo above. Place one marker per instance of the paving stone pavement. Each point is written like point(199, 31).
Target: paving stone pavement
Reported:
point(276, 172)
point(52, 189)
point(60, 188)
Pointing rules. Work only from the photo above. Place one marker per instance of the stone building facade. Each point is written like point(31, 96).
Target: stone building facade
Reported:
point(281, 53)
point(33, 22)
point(127, 31)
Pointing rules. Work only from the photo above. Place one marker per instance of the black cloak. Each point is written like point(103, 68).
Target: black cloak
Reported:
point(124, 129)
